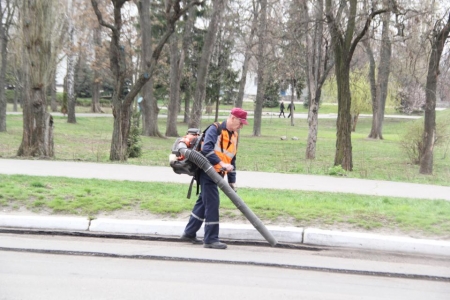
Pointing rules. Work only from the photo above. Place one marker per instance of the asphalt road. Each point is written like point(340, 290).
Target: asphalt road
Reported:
point(54, 267)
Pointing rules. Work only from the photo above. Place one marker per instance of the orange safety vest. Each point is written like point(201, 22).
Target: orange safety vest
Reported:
point(225, 148)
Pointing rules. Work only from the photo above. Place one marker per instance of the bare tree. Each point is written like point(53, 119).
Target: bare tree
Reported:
point(174, 95)
point(186, 44)
point(7, 13)
point(438, 38)
point(248, 52)
point(318, 65)
point(39, 40)
point(208, 47)
point(149, 104)
point(379, 86)
point(122, 103)
point(71, 66)
point(344, 43)
point(96, 82)
point(261, 68)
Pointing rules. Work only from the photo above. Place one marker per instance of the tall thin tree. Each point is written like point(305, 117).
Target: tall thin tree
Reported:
point(7, 11)
point(208, 47)
point(439, 36)
point(262, 27)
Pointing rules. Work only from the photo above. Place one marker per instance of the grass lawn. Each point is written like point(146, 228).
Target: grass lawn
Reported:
point(55, 195)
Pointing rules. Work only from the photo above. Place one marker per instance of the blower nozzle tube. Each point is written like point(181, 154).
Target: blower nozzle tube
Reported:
point(203, 163)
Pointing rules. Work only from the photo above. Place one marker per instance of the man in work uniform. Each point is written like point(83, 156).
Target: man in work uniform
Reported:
point(220, 148)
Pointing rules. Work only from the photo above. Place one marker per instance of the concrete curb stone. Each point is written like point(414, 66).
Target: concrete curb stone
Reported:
point(370, 241)
point(294, 235)
point(39, 222)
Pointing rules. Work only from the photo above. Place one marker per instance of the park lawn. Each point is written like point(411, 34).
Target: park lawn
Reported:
point(91, 197)
point(89, 140)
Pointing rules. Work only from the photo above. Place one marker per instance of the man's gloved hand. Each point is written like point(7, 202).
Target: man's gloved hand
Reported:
point(233, 186)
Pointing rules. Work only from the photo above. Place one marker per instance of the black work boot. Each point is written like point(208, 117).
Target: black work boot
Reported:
point(193, 240)
point(216, 245)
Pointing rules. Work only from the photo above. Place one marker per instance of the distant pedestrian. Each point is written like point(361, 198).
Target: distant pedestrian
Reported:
point(291, 109)
point(281, 110)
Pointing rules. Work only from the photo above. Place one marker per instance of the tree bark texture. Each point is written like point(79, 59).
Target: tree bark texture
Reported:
point(343, 154)
point(95, 105)
point(174, 94)
point(379, 104)
point(53, 102)
point(187, 43)
point(208, 47)
point(150, 109)
point(71, 101)
point(4, 52)
point(429, 134)
point(257, 116)
point(37, 126)
point(7, 9)
point(319, 66)
point(37, 139)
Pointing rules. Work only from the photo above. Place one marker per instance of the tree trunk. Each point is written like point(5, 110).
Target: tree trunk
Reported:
point(187, 41)
point(17, 96)
point(71, 78)
point(429, 134)
point(343, 154)
point(37, 138)
point(37, 126)
point(313, 125)
point(344, 45)
point(247, 57)
point(208, 47)
point(261, 66)
point(150, 109)
point(53, 101)
point(174, 95)
point(3, 101)
point(95, 105)
point(379, 104)
point(316, 62)
point(373, 91)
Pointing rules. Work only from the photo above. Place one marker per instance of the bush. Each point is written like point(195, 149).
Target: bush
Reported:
point(337, 171)
point(411, 141)
point(272, 95)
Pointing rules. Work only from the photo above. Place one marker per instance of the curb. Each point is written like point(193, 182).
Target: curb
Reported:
point(371, 241)
point(293, 235)
point(168, 228)
point(39, 222)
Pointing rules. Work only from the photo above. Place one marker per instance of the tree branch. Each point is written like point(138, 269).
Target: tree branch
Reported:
point(171, 20)
point(364, 30)
point(98, 13)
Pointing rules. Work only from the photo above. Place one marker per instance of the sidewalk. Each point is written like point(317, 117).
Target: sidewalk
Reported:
point(308, 236)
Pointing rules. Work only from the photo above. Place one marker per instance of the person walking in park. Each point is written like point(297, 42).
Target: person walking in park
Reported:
point(281, 110)
point(291, 109)
point(220, 148)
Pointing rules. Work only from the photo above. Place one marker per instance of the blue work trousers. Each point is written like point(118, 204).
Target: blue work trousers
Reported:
point(205, 209)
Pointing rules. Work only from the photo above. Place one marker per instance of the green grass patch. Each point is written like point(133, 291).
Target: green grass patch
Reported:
point(89, 197)
point(90, 140)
